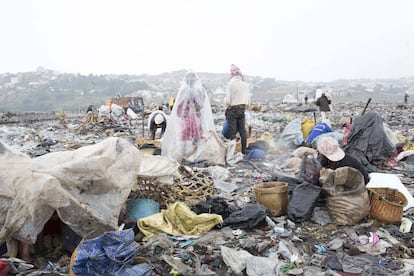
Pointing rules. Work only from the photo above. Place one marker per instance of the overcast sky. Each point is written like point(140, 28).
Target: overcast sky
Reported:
point(306, 40)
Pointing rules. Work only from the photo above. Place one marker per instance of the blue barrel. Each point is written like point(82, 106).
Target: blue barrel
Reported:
point(141, 208)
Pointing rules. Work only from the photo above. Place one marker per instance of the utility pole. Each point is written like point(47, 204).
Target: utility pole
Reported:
point(297, 93)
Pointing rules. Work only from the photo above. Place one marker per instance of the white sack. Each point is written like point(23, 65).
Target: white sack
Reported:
point(132, 114)
point(104, 112)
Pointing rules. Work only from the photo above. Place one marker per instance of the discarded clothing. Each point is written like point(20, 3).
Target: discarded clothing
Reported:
point(178, 220)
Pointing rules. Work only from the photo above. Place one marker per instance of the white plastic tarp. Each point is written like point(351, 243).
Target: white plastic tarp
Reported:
point(87, 187)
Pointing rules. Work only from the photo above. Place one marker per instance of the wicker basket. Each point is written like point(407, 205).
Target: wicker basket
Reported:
point(387, 205)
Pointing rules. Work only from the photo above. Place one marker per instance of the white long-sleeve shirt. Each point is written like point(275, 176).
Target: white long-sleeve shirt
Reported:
point(237, 92)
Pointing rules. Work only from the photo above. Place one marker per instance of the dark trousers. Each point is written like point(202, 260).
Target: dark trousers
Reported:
point(154, 127)
point(236, 122)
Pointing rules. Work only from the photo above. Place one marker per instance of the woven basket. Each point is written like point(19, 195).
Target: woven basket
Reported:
point(273, 195)
point(192, 189)
point(387, 205)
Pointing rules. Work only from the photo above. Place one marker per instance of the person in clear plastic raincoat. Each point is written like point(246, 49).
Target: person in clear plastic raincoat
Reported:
point(191, 118)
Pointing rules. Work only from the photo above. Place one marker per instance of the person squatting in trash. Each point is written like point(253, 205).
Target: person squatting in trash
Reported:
point(237, 100)
point(332, 156)
point(324, 105)
point(191, 118)
point(157, 119)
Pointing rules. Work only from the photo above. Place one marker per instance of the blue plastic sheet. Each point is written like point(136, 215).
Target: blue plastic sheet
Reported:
point(112, 253)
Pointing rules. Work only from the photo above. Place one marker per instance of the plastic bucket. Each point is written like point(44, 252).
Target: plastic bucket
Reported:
point(141, 208)
point(273, 195)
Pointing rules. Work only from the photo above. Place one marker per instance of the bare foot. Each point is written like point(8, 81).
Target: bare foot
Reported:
point(24, 252)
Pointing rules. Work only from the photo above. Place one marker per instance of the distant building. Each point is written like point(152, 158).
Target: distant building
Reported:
point(14, 80)
point(289, 99)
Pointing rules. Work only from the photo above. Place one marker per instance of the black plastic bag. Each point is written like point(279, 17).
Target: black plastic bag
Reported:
point(292, 182)
point(213, 206)
point(250, 216)
point(302, 202)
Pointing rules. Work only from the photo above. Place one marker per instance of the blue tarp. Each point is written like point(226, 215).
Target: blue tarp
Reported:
point(318, 130)
point(112, 253)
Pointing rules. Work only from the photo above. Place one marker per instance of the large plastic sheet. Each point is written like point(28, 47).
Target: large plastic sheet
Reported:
point(368, 141)
point(190, 120)
point(292, 135)
point(86, 187)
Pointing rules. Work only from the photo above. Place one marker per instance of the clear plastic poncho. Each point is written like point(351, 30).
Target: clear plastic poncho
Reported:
point(191, 119)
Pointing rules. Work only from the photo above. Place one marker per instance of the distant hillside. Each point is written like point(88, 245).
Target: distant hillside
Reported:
point(47, 90)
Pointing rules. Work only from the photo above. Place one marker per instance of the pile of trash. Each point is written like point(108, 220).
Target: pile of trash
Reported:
point(92, 196)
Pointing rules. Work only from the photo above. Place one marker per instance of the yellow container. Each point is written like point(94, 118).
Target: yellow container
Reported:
point(273, 195)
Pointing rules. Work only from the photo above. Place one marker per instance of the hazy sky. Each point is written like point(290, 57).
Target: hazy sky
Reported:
point(307, 40)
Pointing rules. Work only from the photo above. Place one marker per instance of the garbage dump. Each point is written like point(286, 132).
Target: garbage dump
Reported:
point(90, 194)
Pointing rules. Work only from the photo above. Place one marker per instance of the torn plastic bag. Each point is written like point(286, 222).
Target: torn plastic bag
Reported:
point(112, 253)
point(250, 216)
point(236, 259)
point(302, 202)
point(310, 168)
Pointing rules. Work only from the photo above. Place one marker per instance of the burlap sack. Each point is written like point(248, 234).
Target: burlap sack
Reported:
point(348, 200)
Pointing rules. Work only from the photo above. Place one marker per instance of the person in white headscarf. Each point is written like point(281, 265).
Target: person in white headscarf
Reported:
point(191, 118)
point(237, 100)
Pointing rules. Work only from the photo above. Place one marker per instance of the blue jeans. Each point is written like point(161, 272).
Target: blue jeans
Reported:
point(236, 123)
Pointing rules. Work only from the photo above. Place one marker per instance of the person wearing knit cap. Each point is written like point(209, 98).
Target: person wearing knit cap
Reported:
point(235, 71)
point(332, 156)
point(237, 100)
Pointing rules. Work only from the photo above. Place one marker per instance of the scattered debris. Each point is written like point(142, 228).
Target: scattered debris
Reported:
point(86, 167)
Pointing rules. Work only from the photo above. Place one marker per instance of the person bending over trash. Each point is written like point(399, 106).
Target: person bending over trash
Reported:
point(157, 119)
point(332, 156)
point(191, 118)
